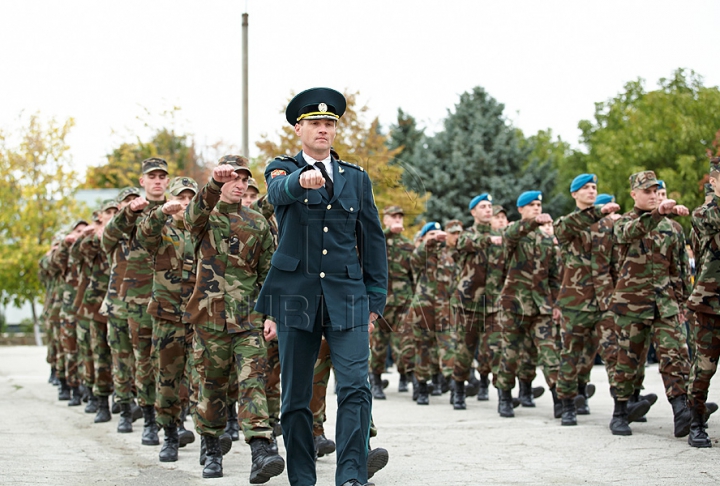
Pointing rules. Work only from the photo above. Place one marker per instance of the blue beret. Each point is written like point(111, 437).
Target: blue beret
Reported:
point(482, 197)
point(527, 197)
point(429, 227)
point(581, 180)
point(661, 184)
point(603, 199)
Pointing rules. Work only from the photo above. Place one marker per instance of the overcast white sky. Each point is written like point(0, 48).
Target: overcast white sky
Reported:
point(548, 61)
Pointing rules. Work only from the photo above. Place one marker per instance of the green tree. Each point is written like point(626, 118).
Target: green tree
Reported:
point(37, 184)
point(669, 130)
point(480, 151)
point(405, 135)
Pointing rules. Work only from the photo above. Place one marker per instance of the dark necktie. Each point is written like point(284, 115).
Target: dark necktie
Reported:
point(328, 182)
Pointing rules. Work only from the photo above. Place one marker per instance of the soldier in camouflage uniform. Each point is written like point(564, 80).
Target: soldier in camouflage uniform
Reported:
point(115, 245)
point(646, 302)
point(163, 234)
point(56, 356)
point(391, 329)
point(704, 303)
point(585, 236)
point(234, 247)
point(136, 287)
point(528, 302)
point(429, 312)
point(480, 259)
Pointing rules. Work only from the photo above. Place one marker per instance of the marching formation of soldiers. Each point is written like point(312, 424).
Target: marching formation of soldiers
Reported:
point(151, 313)
point(554, 294)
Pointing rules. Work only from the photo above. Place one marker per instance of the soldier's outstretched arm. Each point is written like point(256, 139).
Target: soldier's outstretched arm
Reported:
point(150, 230)
point(628, 230)
point(572, 226)
point(115, 230)
point(202, 204)
point(518, 229)
point(89, 247)
point(371, 243)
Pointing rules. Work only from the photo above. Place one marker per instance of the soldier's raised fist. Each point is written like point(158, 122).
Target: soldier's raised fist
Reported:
point(543, 218)
point(496, 240)
point(89, 229)
point(681, 210)
point(138, 204)
point(610, 208)
point(666, 206)
point(312, 179)
point(396, 228)
point(172, 207)
point(224, 173)
point(70, 239)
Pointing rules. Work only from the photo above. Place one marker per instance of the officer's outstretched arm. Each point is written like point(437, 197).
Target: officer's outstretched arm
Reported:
point(283, 180)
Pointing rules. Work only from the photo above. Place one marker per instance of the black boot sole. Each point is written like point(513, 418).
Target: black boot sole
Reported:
point(639, 410)
point(185, 437)
point(225, 444)
point(377, 459)
point(274, 467)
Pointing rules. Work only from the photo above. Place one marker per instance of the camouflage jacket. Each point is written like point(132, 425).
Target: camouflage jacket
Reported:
point(400, 273)
point(263, 206)
point(97, 286)
point(136, 287)
point(233, 250)
point(586, 242)
point(532, 282)
point(478, 285)
point(705, 295)
point(173, 254)
point(434, 270)
point(115, 245)
point(652, 266)
point(84, 271)
point(69, 270)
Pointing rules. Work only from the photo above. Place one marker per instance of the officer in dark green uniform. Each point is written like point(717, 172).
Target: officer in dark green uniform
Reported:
point(328, 278)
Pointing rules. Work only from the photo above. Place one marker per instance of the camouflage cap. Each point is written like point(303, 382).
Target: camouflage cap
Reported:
point(389, 210)
point(454, 226)
point(77, 223)
point(108, 204)
point(715, 164)
point(180, 184)
point(154, 163)
point(497, 209)
point(253, 183)
point(643, 180)
point(237, 161)
point(127, 192)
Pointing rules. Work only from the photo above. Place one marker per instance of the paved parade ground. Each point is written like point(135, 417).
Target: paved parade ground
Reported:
point(43, 441)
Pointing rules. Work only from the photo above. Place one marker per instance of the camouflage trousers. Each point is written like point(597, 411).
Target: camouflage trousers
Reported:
point(140, 324)
point(59, 355)
point(85, 354)
point(172, 347)
point(321, 377)
point(392, 330)
point(603, 341)
point(69, 346)
point(472, 329)
point(528, 338)
point(123, 358)
point(580, 340)
point(215, 353)
point(490, 350)
point(272, 388)
point(434, 347)
point(706, 332)
point(102, 359)
point(671, 347)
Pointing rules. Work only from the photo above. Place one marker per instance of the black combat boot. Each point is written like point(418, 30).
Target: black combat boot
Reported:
point(581, 400)
point(225, 446)
point(232, 428)
point(637, 407)
point(525, 394)
point(619, 423)
point(103, 413)
point(114, 404)
point(53, 376)
point(136, 410)
point(376, 460)
point(557, 404)
point(589, 390)
point(459, 396)
point(76, 398)
point(169, 450)
point(185, 436)
point(538, 391)
point(682, 417)
point(505, 405)
point(323, 446)
point(710, 408)
point(265, 463)
point(698, 437)
point(483, 393)
point(472, 387)
point(569, 412)
point(92, 404)
point(150, 428)
point(415, 384)
point(436, 390)
point(377, 387)
point(403, 383)
point(125, 422)
point(423, 398)
point(213, 458)
point(64, 390)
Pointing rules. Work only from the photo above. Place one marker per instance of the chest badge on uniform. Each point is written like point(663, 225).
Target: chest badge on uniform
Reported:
point(277, 172)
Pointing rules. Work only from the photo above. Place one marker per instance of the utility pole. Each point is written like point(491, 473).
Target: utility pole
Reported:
point(245, 131)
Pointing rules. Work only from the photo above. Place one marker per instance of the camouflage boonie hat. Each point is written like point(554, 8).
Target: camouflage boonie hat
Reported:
point(715, 164)
point(108, 204)
point(154, 163)
point(180, 184)
point(127, 192)
point(253, 183)
point(643, 180)
point(389, 210)
point(497, 209)
point(237, 161)
point(454, 226)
